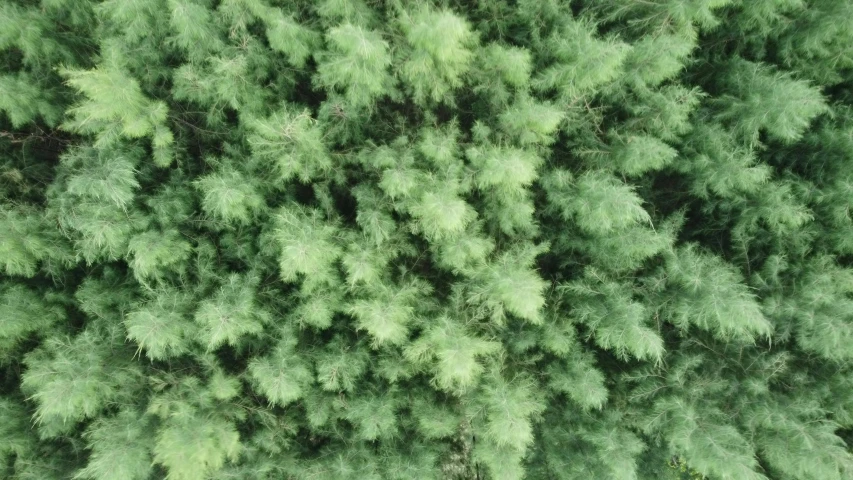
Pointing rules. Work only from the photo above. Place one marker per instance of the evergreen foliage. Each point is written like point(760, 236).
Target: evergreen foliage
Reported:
point(413, 240)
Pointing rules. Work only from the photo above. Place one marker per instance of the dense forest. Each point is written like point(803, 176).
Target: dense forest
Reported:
point(414, 240)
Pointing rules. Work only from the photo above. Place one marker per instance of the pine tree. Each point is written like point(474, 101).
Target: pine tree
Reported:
point(493, 240)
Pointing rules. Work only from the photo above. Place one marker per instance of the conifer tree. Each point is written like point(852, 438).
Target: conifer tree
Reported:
point(411, 240)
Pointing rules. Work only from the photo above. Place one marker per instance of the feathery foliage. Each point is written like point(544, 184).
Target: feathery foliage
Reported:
point(426, 240)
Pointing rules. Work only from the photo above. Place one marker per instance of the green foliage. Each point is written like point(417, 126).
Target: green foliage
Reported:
point(717, 165)
point(818, 43)
point(582, 62)
point(357, 64)
point(388, 311)
point(712, 449)
point(291, 141)
point(154, 251)
point(492, 240)
point(194, 31)
point(451, 353)
point(115, 105)
point(655, 59)
point(227, 195)
point(24, 100)
point(159, 325)
point(230, 313)
point(758, 98)
point(26, 240)
point(711, 296)
point(307, 245)
point(24, 314)
point(597, 202)
point(73, 379)
point(121, 446)
point(529, 122)
point(287, 36)
point(283, 375)
point(190, 448)
point(617, 322)
point(634, 155)
point(438, 53)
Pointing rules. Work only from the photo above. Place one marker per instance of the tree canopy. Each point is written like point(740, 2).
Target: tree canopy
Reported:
point(427, 239)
